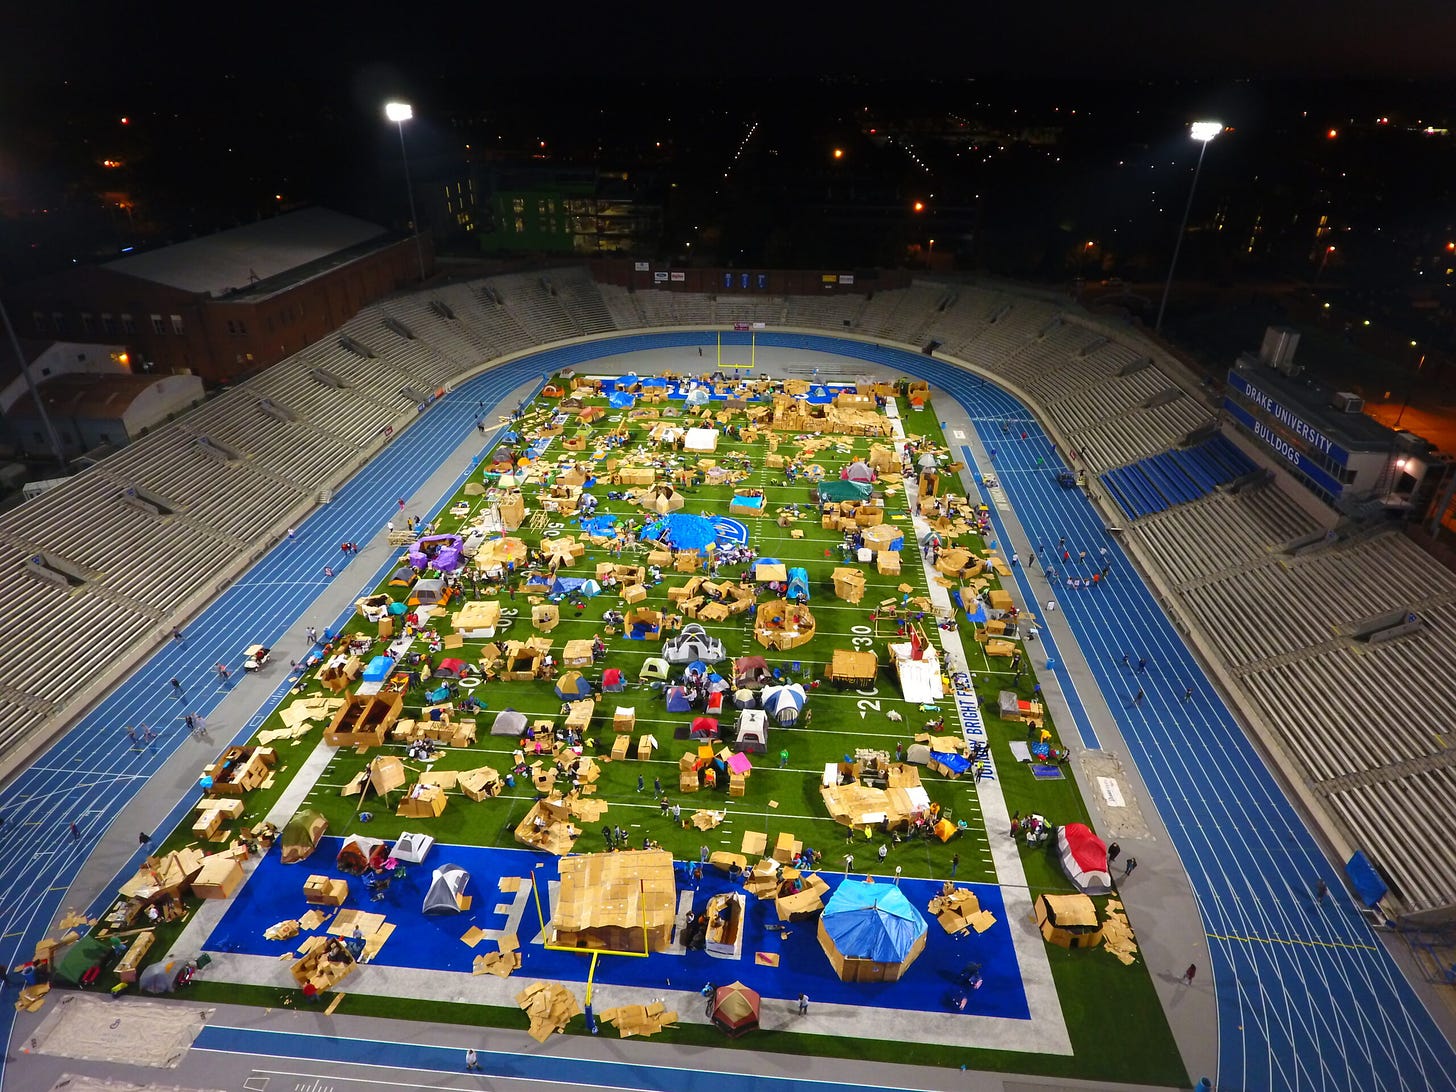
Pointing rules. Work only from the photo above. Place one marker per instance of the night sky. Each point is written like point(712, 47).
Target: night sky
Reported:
point(111, 44)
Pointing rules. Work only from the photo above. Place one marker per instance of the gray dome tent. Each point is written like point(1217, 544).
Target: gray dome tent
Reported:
point(447, 891)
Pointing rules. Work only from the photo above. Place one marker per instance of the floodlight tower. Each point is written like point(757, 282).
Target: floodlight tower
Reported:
point(1203, 132)
point(399, 113)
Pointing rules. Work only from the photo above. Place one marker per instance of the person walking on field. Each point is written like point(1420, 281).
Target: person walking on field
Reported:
point(1127, 868)
point(1113, 849)
point(803, 1004)
point(1187, 978)
point(471, 1061)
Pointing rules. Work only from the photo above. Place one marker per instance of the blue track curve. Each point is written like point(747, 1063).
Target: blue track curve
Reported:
point(1307, 999)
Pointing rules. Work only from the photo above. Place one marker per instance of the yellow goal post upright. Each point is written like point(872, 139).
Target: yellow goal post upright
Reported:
point(741, 365)
point(548, 931)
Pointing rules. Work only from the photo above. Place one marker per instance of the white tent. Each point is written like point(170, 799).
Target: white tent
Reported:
point(859, 472)
point(411, 848)
point(919, 679)
point(753, 731)
point(701, 439)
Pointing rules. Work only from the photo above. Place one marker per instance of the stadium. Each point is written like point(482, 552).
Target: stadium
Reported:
point(1250, 696)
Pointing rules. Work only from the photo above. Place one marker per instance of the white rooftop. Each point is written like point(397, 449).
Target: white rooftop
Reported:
point(239, 257)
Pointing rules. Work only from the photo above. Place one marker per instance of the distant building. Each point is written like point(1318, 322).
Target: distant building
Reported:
point(227, 304)
point(559, 210)
point(91, 398)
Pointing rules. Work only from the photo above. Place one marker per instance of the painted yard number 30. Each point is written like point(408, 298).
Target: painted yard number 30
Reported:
point(861, 640)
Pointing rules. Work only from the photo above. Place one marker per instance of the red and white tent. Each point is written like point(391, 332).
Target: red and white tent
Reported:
point(1084, 857)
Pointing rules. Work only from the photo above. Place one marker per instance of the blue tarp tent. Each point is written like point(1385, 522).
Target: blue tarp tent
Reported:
point(1365, 880)
point(819, 395)
point(683, 531)
point(622, 382)
point(677, 700)
point(378, 669)
point(653, 381)
point(844, 490)
point(874, 922)
point(798, 584)
point(567, 585)
point(620, 400)
point(955, 763)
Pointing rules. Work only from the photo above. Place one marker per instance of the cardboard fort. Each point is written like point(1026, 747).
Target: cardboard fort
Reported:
point(324, 963)
point(339, 671)
point(848, 668)
point(522, 661)
point(1068, 920)
point(423, 801)
point(623, 902)
point(857, 805)
point(849, 584)
point(481, 783)
point(323, 891)
point(477, 619)
point(380, 775)
point(512, 509)
point(220, 875)
point(239, 770)
point(364, 721)
point(158, 878)
point(577, 654)
point(548, 827)
point(782, 625)
point(871, 932)
point(545, 617)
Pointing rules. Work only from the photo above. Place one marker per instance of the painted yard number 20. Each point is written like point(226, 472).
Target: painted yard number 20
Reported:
point(862, 641)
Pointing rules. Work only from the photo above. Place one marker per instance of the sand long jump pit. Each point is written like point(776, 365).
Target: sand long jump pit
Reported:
point(140, 1032)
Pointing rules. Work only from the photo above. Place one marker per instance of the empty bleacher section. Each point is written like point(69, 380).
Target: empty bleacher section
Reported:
point(1175, 477)
point(1355, 716)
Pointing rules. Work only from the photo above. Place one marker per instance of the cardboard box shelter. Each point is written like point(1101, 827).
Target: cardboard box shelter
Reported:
point(625, 901)
point(220, 876)
point(240, 770)
point(1068, 920)
point(365, 721)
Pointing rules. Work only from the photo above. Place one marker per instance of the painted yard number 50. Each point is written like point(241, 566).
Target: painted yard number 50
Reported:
point(862, 640)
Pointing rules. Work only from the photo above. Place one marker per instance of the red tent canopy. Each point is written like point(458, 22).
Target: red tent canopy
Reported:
point(611, 676)
point(1084, 857)
point(704, 727)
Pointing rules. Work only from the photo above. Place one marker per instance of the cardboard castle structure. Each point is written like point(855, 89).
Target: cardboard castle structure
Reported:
point(623, 902)
point(548, 827)
point(365, 720)
point(782, 625)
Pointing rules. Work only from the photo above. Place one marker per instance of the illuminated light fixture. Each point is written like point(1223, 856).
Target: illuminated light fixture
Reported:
point(1332, 134)
point(919, 206)
point(838, 153)
point(399, 113)
point(1205, 130)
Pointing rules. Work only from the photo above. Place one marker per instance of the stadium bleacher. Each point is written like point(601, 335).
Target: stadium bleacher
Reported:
point(1116, 397)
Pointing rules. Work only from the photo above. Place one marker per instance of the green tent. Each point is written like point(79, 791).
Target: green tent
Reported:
point(81, 957)
point(301, 835)
point(843, 490)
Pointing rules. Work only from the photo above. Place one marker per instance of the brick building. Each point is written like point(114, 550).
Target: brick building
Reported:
point(228, 304)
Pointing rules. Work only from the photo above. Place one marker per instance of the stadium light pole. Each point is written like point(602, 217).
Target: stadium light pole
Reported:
point(1203, 132)
point(399, 113)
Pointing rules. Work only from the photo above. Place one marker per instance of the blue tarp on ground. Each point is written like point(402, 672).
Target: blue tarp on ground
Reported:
point(1365, 880)
point(378, 669)
point(844, 490)
point(682, 531)
point(599, 526)
point(873, 921)
point(620, 400)
point(955, 763)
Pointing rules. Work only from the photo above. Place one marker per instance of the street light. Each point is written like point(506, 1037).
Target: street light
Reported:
point(930, 258)
point(1203, 132)
point(1324, 260)
point(399, 113)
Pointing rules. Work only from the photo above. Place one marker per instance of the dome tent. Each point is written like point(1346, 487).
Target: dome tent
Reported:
point(447, 891)
point(1084, 858)
point(784, 703)
point(859, 471)
point(301, 836)
point(509, 722)
point(572, 687)
point(734, 1008)
point(871, 932)
point(798, 584)
point(612, 681)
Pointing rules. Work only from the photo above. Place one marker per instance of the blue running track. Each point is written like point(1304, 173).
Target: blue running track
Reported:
point(1307, 999)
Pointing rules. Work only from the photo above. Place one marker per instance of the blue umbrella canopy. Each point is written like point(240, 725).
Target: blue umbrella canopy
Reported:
point(872, 921)
point(683, 531)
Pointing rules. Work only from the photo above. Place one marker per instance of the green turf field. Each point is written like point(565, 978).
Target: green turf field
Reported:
point(1101, 999)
